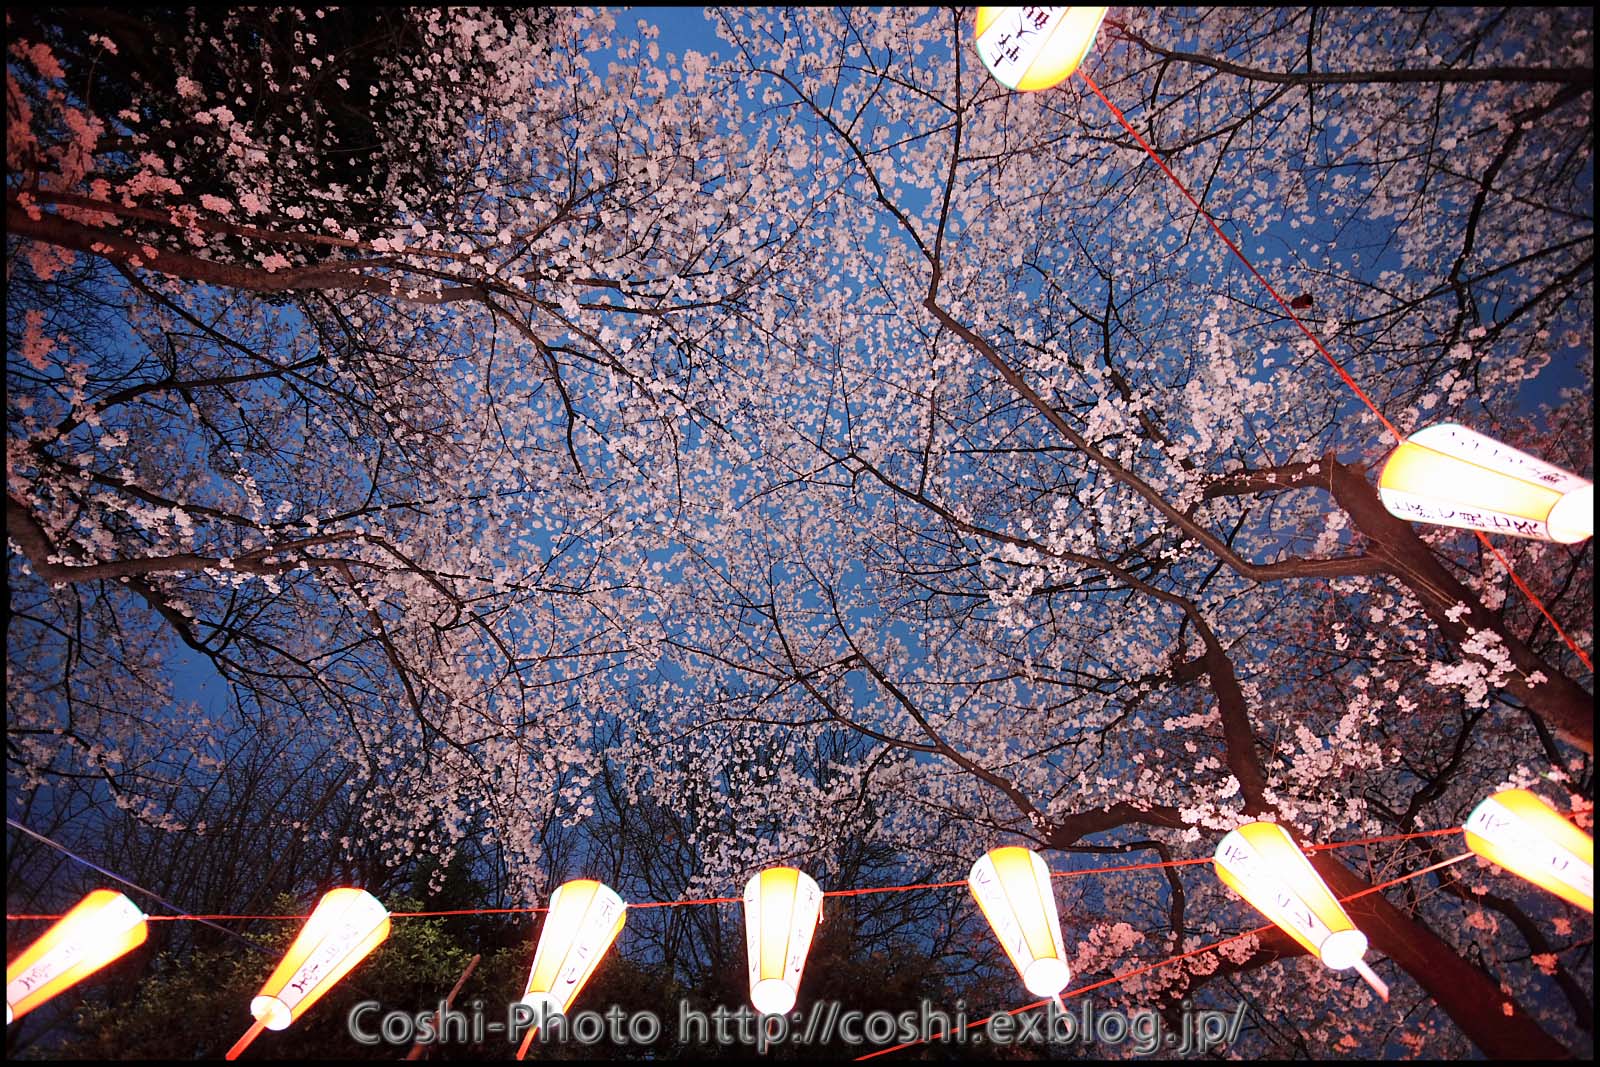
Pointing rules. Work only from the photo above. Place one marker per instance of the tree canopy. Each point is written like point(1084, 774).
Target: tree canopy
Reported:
point(458, 450)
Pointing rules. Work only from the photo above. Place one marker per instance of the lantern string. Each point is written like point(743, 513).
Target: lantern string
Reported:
point(1287, 310)
point(684, 903)
point(1137, 971)
point(1506, 563)
point(213, 919)
point(891, 889)
point(1385, 838)
point(131, 885)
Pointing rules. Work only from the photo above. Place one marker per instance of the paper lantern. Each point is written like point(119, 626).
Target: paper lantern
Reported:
point(585, 917)
point(1012, 886)
point(1261, 862)
point(1450, 476)
point(1526, 836)
point(782, 907)
point(1029, 48)
point(345, 926)
point(102, 927)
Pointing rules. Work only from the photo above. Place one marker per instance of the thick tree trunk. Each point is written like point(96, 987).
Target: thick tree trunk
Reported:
point(1494, 1022)
point(1558, 700)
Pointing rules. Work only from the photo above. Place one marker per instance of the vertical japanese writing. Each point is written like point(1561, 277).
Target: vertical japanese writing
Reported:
point(1496, 824)
point(1013, 41)
point(1465, 444)
point(1263, 888)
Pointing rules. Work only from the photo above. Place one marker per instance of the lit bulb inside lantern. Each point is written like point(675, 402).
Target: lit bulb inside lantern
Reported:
point(1343, 949)
point(1572, 518)
point(1032, 48)
point(1449, 475)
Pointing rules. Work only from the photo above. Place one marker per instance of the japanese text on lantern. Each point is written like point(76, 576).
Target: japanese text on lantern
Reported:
point(992, 898)
point(596, 929)
point(805, 924)
point(334, 948)
point(1493, 822)
point(1242, 860)
point(1011, 44)
point(119, 915)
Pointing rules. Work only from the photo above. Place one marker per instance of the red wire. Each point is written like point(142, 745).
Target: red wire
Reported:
point(1287, 310)
point(1506, 563)
point(683, 903)
point(1380, 840)
point(891, 889)
point(736, 900)
point(210, 918)
point(1080, 990)
point(464, 911)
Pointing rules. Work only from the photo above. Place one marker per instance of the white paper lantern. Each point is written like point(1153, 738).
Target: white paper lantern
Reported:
point(1031, 47)
point(1449, 475)
point(1012, 887)
point(100, 929)
point(1520, 832)
point(585, 918)
point(782, 907)
point(345, 926)
point(1262, 863)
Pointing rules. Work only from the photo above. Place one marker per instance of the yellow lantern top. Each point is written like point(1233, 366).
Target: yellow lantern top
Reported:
point(100, 928)
point(1520, 832)
point(345, 926)
point(1032, 47)
point(585, 917)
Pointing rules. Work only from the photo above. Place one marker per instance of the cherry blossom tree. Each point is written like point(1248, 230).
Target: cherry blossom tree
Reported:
point(1055, 530)
point(815, 444)
point(364, 476)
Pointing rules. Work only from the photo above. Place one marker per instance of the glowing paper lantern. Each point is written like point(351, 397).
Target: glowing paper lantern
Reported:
point(346, 925)
point(585, 918)
point(1451, 476)
point(1012, 886)
point(102, 927)
point(782, 907)
point(1526, 836)
point(1030, 48)
point(1261, 862)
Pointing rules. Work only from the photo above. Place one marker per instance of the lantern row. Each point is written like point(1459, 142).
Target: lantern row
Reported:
point(1147, 968)
point(1011, 885)
point(1081, 872)
point(1444, 474)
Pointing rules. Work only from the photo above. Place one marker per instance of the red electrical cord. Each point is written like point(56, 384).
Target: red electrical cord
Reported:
point(736, 900)
point(1114, 979)
point(1289, 311)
